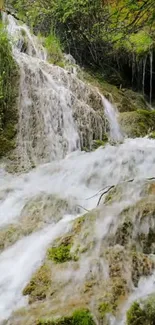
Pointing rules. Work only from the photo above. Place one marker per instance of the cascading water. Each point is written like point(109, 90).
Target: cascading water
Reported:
point(52, 101)
point(111, 114)
point(56, 115)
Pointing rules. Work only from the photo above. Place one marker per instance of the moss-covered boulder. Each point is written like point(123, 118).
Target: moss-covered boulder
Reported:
point(138, 123)
point(39, 285)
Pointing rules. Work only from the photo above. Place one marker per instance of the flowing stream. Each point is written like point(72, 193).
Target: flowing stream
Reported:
point(55, 113)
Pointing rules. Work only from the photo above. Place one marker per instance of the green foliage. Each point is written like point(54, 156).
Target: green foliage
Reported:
point(140, 43)
point(142, 314)
point(135, 315)
point(149, 307)
point(53, 46)
point(79, 317)
point(8, 94)
point(100, 143)
point(91, 29)
point(60, 254)
point(152, 135)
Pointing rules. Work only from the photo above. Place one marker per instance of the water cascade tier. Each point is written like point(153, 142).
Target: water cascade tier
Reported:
point(58, 113)
point(72, 198)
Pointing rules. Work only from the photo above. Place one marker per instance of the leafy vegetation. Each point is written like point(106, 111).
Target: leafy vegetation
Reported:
point(60, 254)
point(142, 313)
point(54, 49)
point(90, 29)
point(136, 315)
point(79, 317)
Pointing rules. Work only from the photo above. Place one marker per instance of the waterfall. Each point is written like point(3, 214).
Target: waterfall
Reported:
point(58, 115)
point(151, 72)
point(111, 114)
point(52, 102)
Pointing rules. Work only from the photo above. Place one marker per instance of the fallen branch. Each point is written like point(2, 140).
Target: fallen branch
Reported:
point(110, 188)
point(107, 189)
point(80, 206)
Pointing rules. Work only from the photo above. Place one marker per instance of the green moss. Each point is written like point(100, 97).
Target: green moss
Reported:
point(60, 254)
point(39, 284)
point(100, 143)
point(126, 100)
point(143, 312)
point(79, 317)
point(152, 135)
point(138, 123)
point(9, 235)
point(105, 308)
point(9, 80)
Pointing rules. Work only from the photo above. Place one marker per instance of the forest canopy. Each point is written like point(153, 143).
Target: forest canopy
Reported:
point(104, 35)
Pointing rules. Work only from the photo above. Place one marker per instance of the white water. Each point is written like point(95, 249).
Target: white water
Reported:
point(20, 261)
point(56, 114)
point(111, 114)
point(81, 175)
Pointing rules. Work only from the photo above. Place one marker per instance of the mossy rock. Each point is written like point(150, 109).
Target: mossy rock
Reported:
point(124, 233)
point(100, 143)
point(9, 235)
point(142, 265)
point(132, 101)
point(35, 215)
point(126, 100)
point(104, 309)
point(39, 285)
point(133, 232)
point(138, 123)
